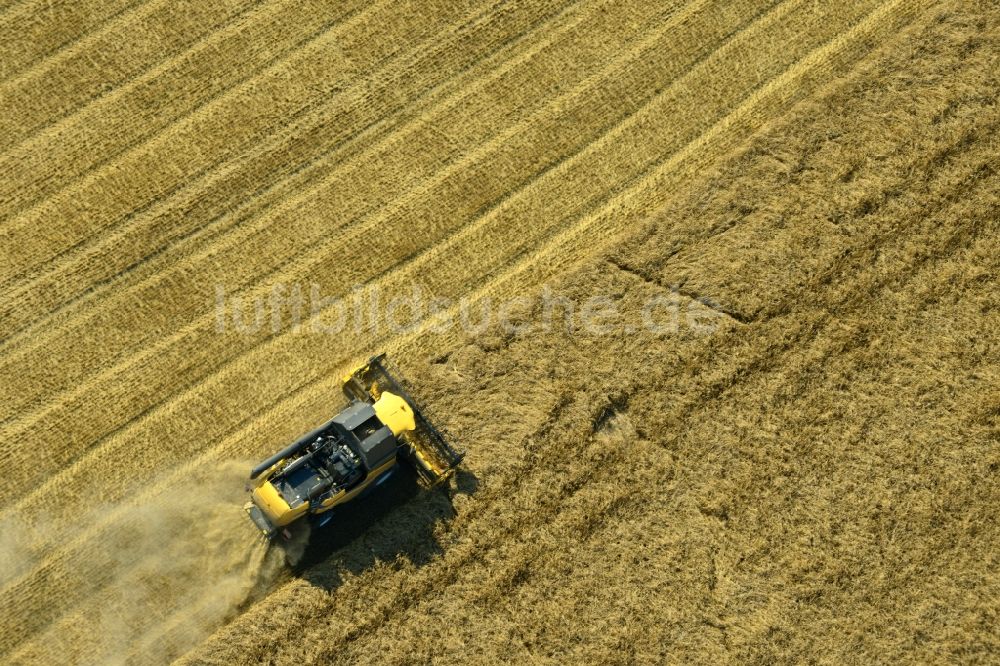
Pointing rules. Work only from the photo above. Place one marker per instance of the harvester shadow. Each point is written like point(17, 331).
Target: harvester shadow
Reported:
point(397, 520)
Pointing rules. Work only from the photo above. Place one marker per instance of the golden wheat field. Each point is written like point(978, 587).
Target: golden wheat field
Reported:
point(708, 292)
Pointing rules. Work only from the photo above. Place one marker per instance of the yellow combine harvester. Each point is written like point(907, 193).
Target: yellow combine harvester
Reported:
point(352, 452)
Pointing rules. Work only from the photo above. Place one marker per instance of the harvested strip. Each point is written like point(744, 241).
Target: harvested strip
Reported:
point(227, 345)
point(199, 287)
point(34, 30)
point(319, 144)
point(152, 166)
point(230, 193)
point(195, 280)
point(120, 50)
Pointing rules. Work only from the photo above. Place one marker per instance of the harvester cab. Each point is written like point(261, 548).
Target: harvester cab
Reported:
point(349, 455)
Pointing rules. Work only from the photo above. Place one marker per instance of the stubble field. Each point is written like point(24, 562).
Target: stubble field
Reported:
point(792, 457)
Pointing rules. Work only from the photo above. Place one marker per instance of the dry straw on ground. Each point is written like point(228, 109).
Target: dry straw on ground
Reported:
point(814, 481)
